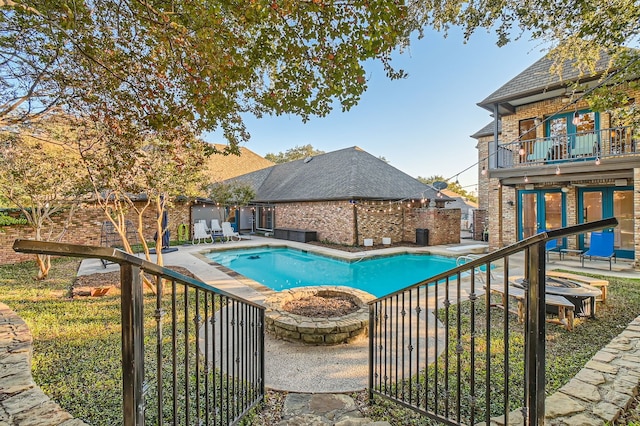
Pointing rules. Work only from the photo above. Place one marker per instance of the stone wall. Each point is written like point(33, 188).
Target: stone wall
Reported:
point(22, 402)
point(85, 229)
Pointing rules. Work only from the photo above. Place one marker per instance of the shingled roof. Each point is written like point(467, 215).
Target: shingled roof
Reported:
point(539, 79)
point(223, 167)
point(349, 173)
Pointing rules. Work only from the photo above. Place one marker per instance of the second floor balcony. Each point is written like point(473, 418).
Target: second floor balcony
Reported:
point(611, 149)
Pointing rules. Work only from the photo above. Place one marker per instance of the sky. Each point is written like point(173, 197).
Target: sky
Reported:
point(422, 125)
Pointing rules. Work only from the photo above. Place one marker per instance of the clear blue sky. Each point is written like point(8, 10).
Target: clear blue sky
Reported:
point(422, 124)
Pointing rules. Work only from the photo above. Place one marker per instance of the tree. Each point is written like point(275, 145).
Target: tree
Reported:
point(43, 180)
point(292, 154)
point(154, 66)
point(139, 66)
point(135, 175)
point(231, 194)
point(452, 186)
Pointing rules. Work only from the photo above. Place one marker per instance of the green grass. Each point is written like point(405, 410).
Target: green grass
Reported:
point(567, 352)
point(77, 343)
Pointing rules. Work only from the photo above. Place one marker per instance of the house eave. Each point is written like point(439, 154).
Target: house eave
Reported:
point(609, 169)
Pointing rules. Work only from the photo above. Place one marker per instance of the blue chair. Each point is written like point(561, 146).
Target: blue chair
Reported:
point(552, 245)
point(601, 247)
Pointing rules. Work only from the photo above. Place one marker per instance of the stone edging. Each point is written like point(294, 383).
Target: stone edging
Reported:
point(21, 400)
point(317, 331)
point(601, 390)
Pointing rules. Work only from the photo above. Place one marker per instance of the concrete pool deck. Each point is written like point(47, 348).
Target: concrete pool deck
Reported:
point(292, 367)
point(296, 367)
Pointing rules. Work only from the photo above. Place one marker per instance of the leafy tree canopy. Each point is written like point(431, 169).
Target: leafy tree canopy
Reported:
point(292, 154)
point(451, 186)
point(199, 65)
point(138, 65)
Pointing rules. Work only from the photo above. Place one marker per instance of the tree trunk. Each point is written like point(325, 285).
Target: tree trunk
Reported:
point(44, 265)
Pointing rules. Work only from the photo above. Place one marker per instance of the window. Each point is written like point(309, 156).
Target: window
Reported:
point(527, 132)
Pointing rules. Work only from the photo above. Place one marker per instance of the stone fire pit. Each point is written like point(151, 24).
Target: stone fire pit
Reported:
point(318, 329)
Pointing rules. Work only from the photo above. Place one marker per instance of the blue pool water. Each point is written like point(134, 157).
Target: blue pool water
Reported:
point(283, 268)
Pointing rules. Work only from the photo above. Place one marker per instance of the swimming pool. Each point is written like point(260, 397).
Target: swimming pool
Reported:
point(285, 268)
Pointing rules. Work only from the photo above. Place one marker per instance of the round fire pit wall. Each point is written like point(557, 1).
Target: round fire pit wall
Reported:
point(317, 330)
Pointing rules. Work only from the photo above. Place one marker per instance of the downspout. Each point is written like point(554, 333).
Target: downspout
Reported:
point(496, 135)
point(355, 223)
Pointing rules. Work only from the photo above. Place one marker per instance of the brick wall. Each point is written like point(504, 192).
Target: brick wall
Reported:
point(85, 229)
point(483, 180)
point(334, 221)
point(443, 225)
point(636, 215)
point(341, 222)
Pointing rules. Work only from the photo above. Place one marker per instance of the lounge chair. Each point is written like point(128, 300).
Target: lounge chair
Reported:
point(201, 233)
point(228, 233)
point(541, 149)
point(601, 246)
point(216, 229)
point(584, 145)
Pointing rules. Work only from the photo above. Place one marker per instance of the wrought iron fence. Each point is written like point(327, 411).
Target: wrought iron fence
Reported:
point(438, 348)
point(191, 353)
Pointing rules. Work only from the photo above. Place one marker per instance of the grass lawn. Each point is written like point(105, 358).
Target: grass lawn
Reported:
point(76, 358)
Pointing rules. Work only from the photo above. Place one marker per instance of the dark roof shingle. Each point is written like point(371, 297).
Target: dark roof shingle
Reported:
point(349, 173)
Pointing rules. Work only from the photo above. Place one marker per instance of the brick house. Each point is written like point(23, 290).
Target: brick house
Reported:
point(347, 196)
point(548, 161)
point(87, 225)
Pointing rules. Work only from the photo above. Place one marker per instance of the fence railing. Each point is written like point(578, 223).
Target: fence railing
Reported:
point(191, 354)
point(574, 147)
point(438, 348)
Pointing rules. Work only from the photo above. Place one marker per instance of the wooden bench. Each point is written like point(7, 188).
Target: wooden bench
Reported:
point(565, 308)
point(595, 282)
point(299, 235)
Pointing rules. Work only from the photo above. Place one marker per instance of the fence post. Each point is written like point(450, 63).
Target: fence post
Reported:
point(535, 336)
point(132, 345)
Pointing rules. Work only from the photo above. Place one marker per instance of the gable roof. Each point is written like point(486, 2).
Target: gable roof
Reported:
point(538, 82)
point(223, 167)
point(487, 130)
point(459, 202)
point(349, 173)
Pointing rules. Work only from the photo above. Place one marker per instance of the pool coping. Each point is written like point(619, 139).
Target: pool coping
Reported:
point(348, 256)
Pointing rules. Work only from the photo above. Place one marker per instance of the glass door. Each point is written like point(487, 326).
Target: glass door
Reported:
point(540, 210)
point(600, 203)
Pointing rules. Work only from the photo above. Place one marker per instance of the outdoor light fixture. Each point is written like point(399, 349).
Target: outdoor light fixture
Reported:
point(521, 151)
point(484, 171)
point(526, 179)
point(597, 160)
point(557, 170)
point(576, 118)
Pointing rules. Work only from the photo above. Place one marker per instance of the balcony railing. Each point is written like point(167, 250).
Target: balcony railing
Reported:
point(604, 143)
point(191, 353)
point(438, 348)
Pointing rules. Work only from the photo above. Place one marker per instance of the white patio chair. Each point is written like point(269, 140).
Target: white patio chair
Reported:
point(216, 229)
point(228, 233)
point(201, 233)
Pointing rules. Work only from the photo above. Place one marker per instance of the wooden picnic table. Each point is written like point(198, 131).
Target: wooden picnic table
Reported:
point(564, 307)
point(598, 283)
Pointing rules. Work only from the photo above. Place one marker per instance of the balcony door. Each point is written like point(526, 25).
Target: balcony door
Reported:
point(540, 210)
point(572, 135)
point(600, 203)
